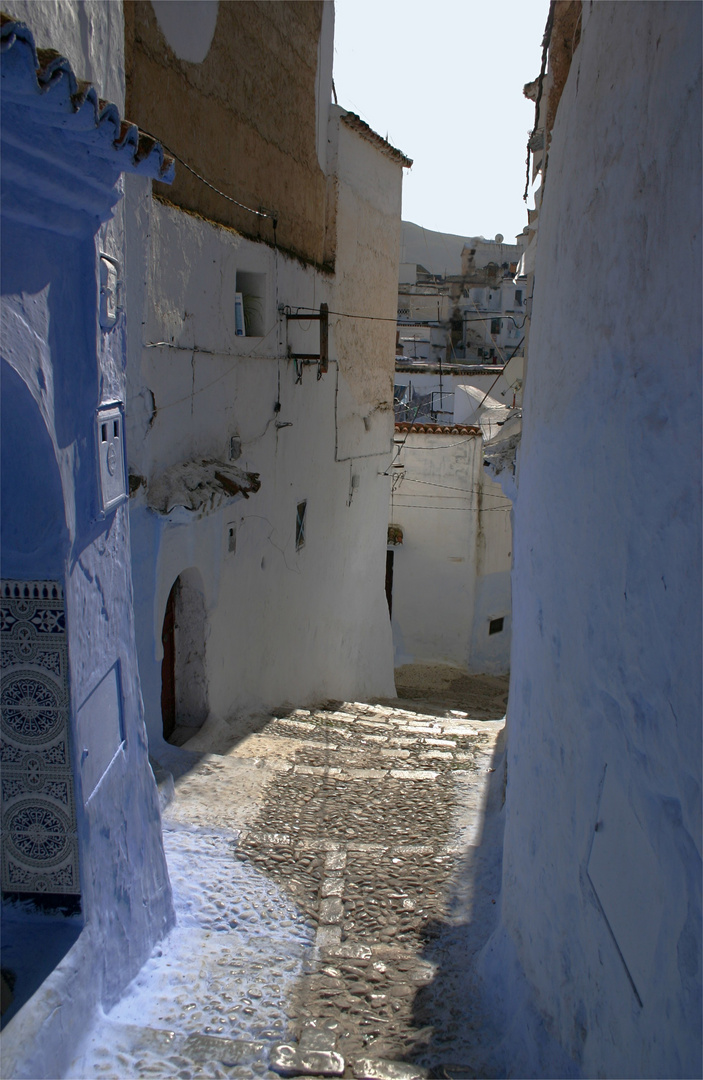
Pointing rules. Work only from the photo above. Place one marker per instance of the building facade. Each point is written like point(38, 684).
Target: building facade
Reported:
point(258, 450)
point(196, 431)
point(449, 552)
point(472, 313)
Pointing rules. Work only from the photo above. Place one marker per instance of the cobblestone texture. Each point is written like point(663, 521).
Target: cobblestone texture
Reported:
point(317, 871)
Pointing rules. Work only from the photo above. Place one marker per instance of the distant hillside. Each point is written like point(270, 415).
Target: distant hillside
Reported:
point(440, 253)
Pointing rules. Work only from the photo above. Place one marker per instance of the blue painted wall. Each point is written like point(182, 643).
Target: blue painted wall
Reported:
point(60, 186)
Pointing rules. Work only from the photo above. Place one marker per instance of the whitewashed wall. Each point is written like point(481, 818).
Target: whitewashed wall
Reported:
point(451, 574)
point(601, 903)
point(282, 625)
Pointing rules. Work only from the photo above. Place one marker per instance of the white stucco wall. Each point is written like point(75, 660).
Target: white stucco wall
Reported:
point(601, 903)
point(451, 574)
point(368, 245)
point(282, 625)
point(90, 33)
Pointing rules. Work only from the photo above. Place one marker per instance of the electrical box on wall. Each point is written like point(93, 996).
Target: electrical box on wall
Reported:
point(110, 292)
point(110, 445)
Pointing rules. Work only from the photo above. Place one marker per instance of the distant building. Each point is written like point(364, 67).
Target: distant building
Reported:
point(258, 448)
point(475, 315)
point(449, 543)
point(460, 319)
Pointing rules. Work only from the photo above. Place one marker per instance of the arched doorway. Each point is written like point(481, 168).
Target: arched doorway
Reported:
point(184, 696)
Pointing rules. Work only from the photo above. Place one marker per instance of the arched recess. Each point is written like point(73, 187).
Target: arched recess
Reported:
point(34, 540)
point(38, 821)
point(184, 694)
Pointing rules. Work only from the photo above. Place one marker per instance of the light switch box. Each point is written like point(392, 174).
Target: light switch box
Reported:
point(110, 292)
point(110, 443)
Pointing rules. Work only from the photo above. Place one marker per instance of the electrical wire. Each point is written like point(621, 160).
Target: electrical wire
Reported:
point(401, 445)
point(429, 449)
point(259, 213)
point(194, 350)
point(458, 509)
point(347, 315)
point(447, 487)
point(413, 322)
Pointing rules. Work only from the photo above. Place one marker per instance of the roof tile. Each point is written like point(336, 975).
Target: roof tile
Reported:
point(437, 429)
point(362, 128)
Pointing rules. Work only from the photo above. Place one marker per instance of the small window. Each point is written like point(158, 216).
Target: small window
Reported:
point(518, 297)
point(495, 626)
point(250, 318)
point(495, 326)
point(300, 525)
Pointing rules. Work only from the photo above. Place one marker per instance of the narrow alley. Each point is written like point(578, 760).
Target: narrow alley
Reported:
point(323, 873)
point(350, 380)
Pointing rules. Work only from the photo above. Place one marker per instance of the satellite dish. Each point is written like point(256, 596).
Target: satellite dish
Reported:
point(499, 238)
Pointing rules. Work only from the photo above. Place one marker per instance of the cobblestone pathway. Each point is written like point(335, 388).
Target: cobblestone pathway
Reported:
point(324, 876)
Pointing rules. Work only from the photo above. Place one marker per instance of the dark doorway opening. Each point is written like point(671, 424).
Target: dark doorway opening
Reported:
point(184, 696)
point(168, 664)
point(389, 580)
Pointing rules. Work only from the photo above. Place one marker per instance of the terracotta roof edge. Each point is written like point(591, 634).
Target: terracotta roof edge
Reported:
point(437, 429)
point(362, 128)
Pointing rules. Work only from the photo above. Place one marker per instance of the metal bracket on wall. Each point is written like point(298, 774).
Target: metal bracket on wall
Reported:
point(321, 358)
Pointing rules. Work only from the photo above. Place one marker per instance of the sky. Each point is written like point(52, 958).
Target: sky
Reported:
point(442, 80)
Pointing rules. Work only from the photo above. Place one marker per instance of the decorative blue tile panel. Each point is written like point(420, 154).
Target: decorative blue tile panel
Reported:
point(39, 843)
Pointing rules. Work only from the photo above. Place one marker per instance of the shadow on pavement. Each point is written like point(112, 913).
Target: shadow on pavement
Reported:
point(484, 697)
point(34, 941)
point(465, 1037)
